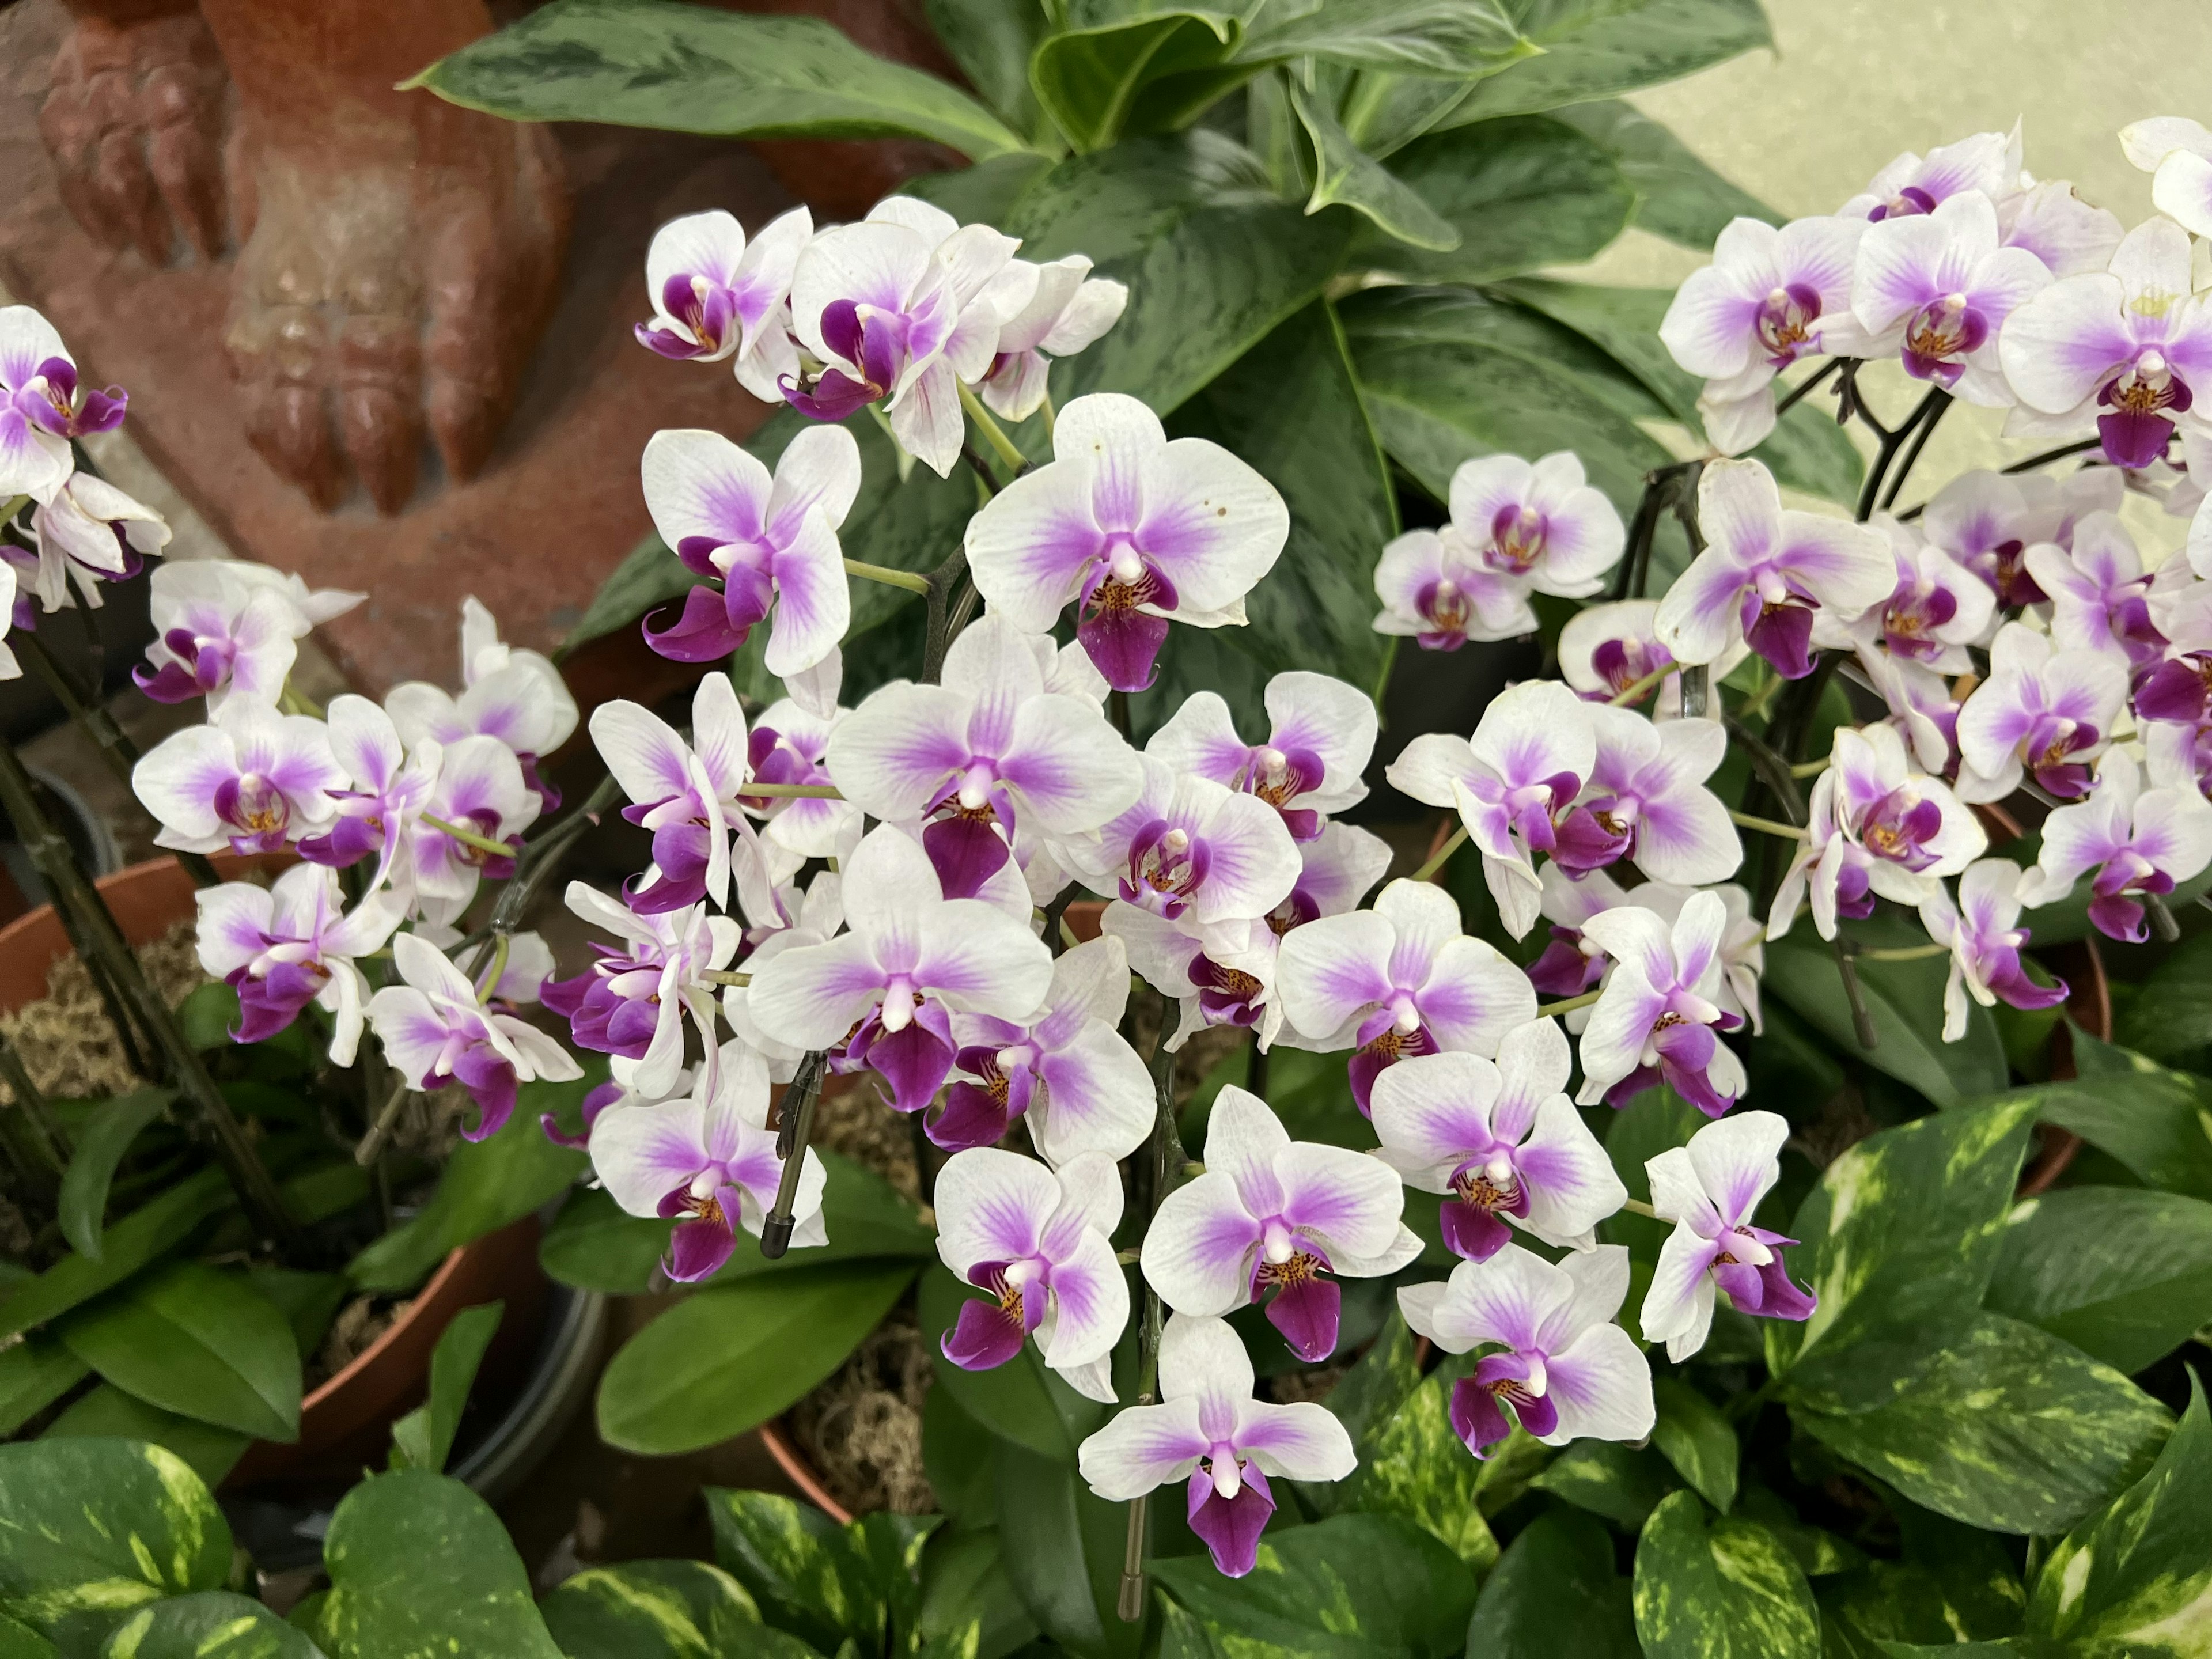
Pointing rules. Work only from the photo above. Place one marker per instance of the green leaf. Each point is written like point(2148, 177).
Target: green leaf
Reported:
point(1695, 1438)
point(22, 1642)
point(1521, 192)
point(595, 1245)
point(1555, 1593)
point(2155, 1121)
point(423, 1439)
point(1418, 1469)
point(661, 1610)
point(2136, 1577)
point(1213, 260)
point(207, 1014)
point(992, 41)
point(212, 1624)
point(831, 1583)
point(1063, 1548)
point(90, 1530)
point(1343, 172)
point(956, 1455)
point(2170, 1016)
point(100, 1144)
point(1719, 1590)
point(693, 69)
point(2004, 1427)
point(108, 1414)
point(1624, 1484)
point(1140, 69)
point(966, 1588)
point(1353, 1584)
point(1622, 47)
point(1366, 1399)
point(198, 1341)
point(727, 1359)
point(308, 1300)
point(33, 1373)
point(1452, 38)
point(1677, 196)
point(868, 1219)
point(2123, 1275)
point(486, 1185)
point(148, 1233)
point(1019, 1401)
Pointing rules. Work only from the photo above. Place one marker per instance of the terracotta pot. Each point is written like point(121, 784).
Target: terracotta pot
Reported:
point(793, 1463)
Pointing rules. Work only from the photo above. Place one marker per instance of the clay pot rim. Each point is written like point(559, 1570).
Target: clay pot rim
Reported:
point(799, 1472)
point(424, 1297)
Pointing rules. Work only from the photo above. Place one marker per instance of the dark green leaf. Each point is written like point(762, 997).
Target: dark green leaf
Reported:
point(992, 41)
point(22, 1642)
point(212, 1624)
point(423, 1439)
point(1719, 1590)
point(593, 1245)
point(693, 69)
point(1366, 1397)
point(1886, 1603)
point(2136, 1577)
point(308, 1300)
point(1062, 1548)
point(198, 1341)
point(1554, 1594)
point(1449, 38)
point(1343, 172)
point(486, 1185)
point(1419, 1469)
point(33, 1373)
point(988, 193)
point(1677, 196)
point(830, 1583)
point(956, 1455)
point(147, 1234)
point(726, 1359)
point(1695, 1438)
point(1385, 113)
point(2004, 1427)
point(2123, 1275)
point(965, 1588)
point(1624, 1484)
point(1019, 1401)
point(1818, 1552)
point(2170, 1016)
point(108, 1414)
point(207, 1015)
point(91, 1530)
point(100, 1144)
point(1136, 69)
point(1618, 49)
point(2156, 1122)
point(661, 1610)
point(1522, 192)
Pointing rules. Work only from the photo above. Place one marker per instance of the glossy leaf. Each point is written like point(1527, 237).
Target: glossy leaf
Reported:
point(1677, 196)
point(967, 1591)
point(212, 1624)
point(147, 1234)
point(593, 1245)
point(308, 1300)
point(956, 1455)
point(1019, 1401)
point(694, 69)
point(1119, 69)
point(198, 1341)
point(1442, 39)
point(21, 1641)
point(1624, 1484)
point(727, 1359)
point(661, 1610)
point(100, 1146)
point(1419, 1469)
point(423, 1439)
point(108, 1414)
point(1365, 1400)
point(2151, 1119)
point(1692, 1435)
point(2123, 1275)
point(1062, 1548)
point(33, 1373)
point(1723, 1589)
point(992, 41)
point(1554, 1592)
point(1343, 172)
point(2170, 1015)
point(1615, 48)
point(831, 1583)
point(91, 1530)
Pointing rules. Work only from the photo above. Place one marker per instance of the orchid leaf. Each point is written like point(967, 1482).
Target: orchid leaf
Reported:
point(858, 1583)
point(148, 1233)
point(100, 1144)
point(1343, 173)
point(1019, 1401)
point(198, 1341)
point(1063, 1547)
point(33, 1373)
point(1450, 40)
point(1554, 1591)
point(108, 1414)
point(1723, 1588)
point(662, 1610)
point(966, 1588)
point(423, 1439)
point(1677, 196)
point(694, 69)
point(211, 1624)
point(2123, 1275)
point(2155, 1121)
point(1601, 51)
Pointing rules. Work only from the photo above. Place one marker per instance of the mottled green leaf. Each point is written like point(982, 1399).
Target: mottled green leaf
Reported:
point(1693, 1436)
point(1606, 50)
point(1442, 39)
point(992, 41)
point(33, 1373)
point(1624, 1484)
point(1019, 1401)
point(829, 1583)
point(1719, 1590)
point(423, 1439)
point(108, 1414)
point(1122, 70)
point(1677, 195)
point(1345, 173)
point(100, 1144)
point(1062, 1547)
point(1366, 1399)
point(2123, 1273)
point(2157, 1122)
point(148, 1233)
point(212, 1624)
point(91, 1530)
point(2170, 1015)
point(1419, 1469)
point(695, 69)
point(198, 1341)
point(1554, 1594)
point(22, 1642)
point(661, 1610)
point(966, 1588)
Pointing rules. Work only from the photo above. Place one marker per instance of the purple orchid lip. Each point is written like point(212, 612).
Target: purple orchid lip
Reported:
point(1938, 333)
point(1909, 202)
point(1230, 1527)
point(2136, 433)
point(1122, 641)
point(1782, 634)
point(1784, 324)
point(1899, 826)
point(1447, 611)
point(2176, 691)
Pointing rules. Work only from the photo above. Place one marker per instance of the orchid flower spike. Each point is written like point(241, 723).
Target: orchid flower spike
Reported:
point(717, 295)
point(2138, 840)
point(1069, 310)
point(1988, 520)
point(1646, 801)
point(1276, 1218)
point(517, 696)
point(1323, 733)
point(392, 788)
point(631, 1002)
point(1985, 944)
point(1656, 1019)
point(290, 944)
point(1743, 942)
point(1433, 592)
point(1558, 1359)
point(1938, 608)
point(2045, 711)
point(217, 633)
point(1710, 1189)
point(251, 780)
point(40, 409)
point(1209, 1432)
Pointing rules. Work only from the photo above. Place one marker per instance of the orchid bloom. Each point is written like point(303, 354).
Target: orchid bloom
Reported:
point(1040, 1242)
point(1433, 592)
point(40, 409)
point(392, 788)
point(1210, 1433)
point(1323, 732)
point(1527, 760)
point(816, 917)
point(1770, 298)
point(770, 538)
point(479, 788)
point(218, 632)
point(1876, 828)
point(1272, 1215)
point(710, 1160)
point(717, 295)
point(2049, 712)
point(1071, 309)
point(631, 1002)
point(1566, 1369)
point(884, 994)
point(597, 1103)
point(1208, 859)
point(2177, 152)
point(1654, 1021)
point(517, 696)
point(1923, 711)
point(894, 308)
point(1987, 521)
point(1743, 942)
point(2100, 594)
point(1645, 800)
point(250, 780)
point(789, 744)
point(1397, 980)
point(1913, 185)
point(1984, 943)
point(1942, 283)
point(1501, 1143)
point(1067, 1071)
point(982, 756)
point(1569, 965)
point(1541, 522)
point(1608, 650)
point(435, 1031)
point(91, 533)
point(2138, 840)
point(2129, 346)
point(1710, 1189)
point(1134, 528)
point(290, 944)
point(1938, 608)
point(1766, 572)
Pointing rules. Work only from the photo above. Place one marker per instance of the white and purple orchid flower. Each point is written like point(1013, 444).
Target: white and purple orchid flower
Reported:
point(2041, 711)
point(251, 780)
point(436, 1029)
point(392, 788)
point(290, 944)
point(1988, 520)
point(2177, 152)
point(1136, 528)
point(1984, 940)
point(1210, 1433)
point(1646, 800)
point(1069, 310)
point(479, 788)
point(816, 917)
point(1501, 1143)
point(2139, 840)
point(219, 630)
point(708, 1160)
point(90, 534)
point(1397, 980)
point(883, 994)
point(1938, 286)
point(517, 696)
point(1433, 592)
point(1211, 859)
point(1743, 942)
point(1606, 650)
point(1541, 522)
point(1568, 965)
point(1766, 572)
point(40, 410)
point(631, 1001)
point(1277, 1219)
point(1912, 184)
point(1321, 733)
point(715, 294)
point(1876, 829)
point(790, 744)
point(984, 755)
point(1710, 1189)
point(1040, 1242)
point(1657, 1019)
point(1067, 1073)
point(1556, 1358)
point(1938, 608)
point(770, 540)
point(2100, 594)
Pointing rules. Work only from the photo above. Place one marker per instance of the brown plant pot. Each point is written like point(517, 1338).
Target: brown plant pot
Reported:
point(346, 1422)
point(801, 1473)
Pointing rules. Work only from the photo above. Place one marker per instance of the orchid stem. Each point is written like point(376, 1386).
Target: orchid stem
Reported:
point(48, 1143)
point(1545, 1011)
point(1766, 826)
point(468, 838)
point(1443, 855)
point(501, 943)
point(1903, 953)
point(1051, 415)
point(993, 433)
point(1811, 769)
point(293, 700)
point(1697, 684)
point(723, 976)
point(1636, 691)
point(792, 791)
point(1637, 1206)
point(1167, 1161)
point(2161, 919)
point(379, 1133)
point(1940, 401)
point(908, 579)
point(796, 1129)
point(1797, 394)
point(1861, 1018)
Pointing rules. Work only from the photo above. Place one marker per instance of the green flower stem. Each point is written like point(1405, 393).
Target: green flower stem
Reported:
point(1547, 1010)
point(1766, 826)
point(1443, 855)
point(883, 572)
point(1168, 1163)
point(1637, 691)
point(993, 435)
point(468, 838)
point(800, 791)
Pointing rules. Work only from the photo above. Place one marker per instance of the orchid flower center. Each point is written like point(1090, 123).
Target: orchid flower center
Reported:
point(1910, 201)
point(1899, 826)
point(254, 806)
point(1517, 540)
point(1944, 328)
point(1225, 1469)
point(1491, 1185)
point(1445, 608)
point(1785, 323)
